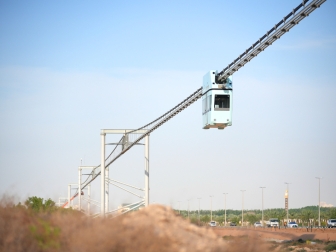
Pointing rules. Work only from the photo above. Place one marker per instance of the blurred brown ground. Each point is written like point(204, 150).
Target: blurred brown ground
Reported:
point(155, 228)
point(281, 234)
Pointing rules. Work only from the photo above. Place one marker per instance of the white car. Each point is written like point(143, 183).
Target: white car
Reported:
point(292, 224)
point(273, 222)
point(257, 224)
point(331, 223)
point(212, 223)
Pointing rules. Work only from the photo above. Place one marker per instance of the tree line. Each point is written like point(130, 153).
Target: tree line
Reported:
point(305, 216)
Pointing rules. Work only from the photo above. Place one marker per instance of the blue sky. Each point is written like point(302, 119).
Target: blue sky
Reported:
point(69, 69)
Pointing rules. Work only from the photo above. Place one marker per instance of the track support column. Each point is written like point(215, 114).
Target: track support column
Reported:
point(79, 188)
point(89, 197)
point(146, 170)
point(102, 175)
point(69, 193)
point(107, 190)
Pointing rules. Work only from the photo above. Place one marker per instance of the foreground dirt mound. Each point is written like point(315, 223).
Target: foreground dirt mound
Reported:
point(155, 228)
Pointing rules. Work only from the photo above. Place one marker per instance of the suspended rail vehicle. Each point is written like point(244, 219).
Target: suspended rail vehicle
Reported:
point(216, 101)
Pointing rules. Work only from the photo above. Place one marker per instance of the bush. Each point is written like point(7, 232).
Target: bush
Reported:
point(330, 247)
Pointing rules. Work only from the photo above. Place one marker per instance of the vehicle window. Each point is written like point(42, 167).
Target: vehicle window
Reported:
point(222, 101)
point(332, 220)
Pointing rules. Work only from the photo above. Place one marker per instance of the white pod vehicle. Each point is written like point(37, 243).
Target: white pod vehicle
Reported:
point(216, 102)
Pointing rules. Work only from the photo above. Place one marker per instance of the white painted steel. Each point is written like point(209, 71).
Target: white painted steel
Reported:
point(243, 206)
point(123, 131)
point(139, 203)
point(225, 209)
point(80, 168)
point(319, 202)
point(79, 188)
point(126, 190)
point(107, 190)
point(89, 197)
point(102, 175)
point(146, 170)
point(262, 205)
point(199, 204)
point(211, 206)
point(115, 181)
point(69, 195)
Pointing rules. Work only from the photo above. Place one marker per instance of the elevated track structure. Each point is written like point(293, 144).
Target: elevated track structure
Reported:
point(130, 138)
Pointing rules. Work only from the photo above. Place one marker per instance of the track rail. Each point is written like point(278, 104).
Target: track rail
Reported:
point(288, 22)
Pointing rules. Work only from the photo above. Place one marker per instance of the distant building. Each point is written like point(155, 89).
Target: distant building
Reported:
point(324, 204)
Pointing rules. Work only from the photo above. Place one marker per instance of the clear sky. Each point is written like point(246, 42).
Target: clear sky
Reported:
point(71, 68)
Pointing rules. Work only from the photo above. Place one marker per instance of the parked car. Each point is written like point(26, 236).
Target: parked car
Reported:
point(232, 224)
point(257, 224)
point(331, 223)
point(212, 224)
point(292, 224)
point(273, 222)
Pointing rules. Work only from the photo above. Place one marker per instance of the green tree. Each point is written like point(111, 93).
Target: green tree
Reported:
point(235, 219)
point(251, 218)
point(205, 218)
point(307, 215)
point(281, 215)
point(38, 204)
point(332, 213)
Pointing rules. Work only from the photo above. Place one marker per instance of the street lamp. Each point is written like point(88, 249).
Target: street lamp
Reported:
point(243, 206)
point(225, 209)
point(262, 205)
point(211, 205)
point(319, 202)
point(188, 208)
point(179, 207)
point(199, 220)
point(287, 199)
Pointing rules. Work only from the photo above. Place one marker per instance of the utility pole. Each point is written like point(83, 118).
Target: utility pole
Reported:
point(225, 209)
point(243, 206)
point(211, 206)
point(319, 216)
point(262, 205)
point(188, 208)
point(199, 220)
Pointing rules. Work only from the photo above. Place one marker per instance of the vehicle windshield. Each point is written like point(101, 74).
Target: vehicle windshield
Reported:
point(293, 222)
point(274, 220)
point(222, 101)
point(332, 220)
point(212, 222)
